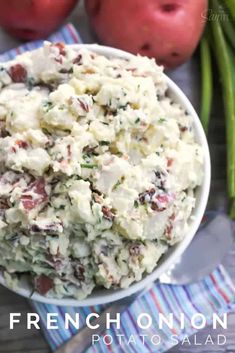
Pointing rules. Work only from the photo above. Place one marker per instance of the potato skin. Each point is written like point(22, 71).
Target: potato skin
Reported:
point(33, 19)
point(168, 30)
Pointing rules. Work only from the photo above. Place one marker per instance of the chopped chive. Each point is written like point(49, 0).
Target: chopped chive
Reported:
point(123, 107)
point(104, 143)
point(116, 185)
point(47, 106)
point(136, 204)
point(88, 166)
point(31, 82)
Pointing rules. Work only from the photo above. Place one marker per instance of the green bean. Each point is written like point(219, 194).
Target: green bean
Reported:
point(231, 6)
point(232, 59)
point(206, 82)
point(225, 70)
point(227, 23)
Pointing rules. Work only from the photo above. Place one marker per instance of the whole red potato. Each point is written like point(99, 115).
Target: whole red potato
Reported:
point(33, 19)
point(168, 30)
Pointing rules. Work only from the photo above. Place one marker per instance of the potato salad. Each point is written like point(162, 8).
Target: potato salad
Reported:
point(98, 170)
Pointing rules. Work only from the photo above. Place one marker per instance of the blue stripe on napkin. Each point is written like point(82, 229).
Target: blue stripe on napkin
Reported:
point(214, 294)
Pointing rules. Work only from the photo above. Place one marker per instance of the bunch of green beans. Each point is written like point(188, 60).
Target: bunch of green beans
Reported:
point(220, 39)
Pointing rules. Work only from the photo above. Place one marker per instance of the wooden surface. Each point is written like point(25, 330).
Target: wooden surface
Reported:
point(21, 340)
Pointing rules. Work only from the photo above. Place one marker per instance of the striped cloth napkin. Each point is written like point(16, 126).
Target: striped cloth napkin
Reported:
point(214, 294)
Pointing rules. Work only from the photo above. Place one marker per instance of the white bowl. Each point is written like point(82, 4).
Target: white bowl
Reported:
point(202, 192)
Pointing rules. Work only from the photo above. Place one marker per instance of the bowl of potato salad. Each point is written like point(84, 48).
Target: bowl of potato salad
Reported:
point(104, 173)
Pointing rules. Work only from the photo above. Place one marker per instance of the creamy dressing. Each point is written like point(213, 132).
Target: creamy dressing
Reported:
point(98, 170)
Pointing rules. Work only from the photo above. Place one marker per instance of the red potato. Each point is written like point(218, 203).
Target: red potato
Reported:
point(168, 30)
point(33, 19)
point(43, 284)
point(38, 189)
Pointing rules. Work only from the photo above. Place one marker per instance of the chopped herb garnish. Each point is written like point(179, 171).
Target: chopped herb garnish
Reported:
point(31, 82)
point(123, 107)
point(137, 120)
point(162, 120)
point(47, 106)
point(104, 143)
point(117, 184)
point(104, 123)
point(88, 166)
point(136, 204)
point(70, 201)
